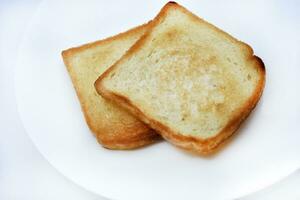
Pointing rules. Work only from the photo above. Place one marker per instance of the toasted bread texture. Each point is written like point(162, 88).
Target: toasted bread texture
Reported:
point(113, 127)
point(187, 79)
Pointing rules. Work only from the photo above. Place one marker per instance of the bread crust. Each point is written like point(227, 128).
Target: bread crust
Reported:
point(112, 135)
point(190, 143)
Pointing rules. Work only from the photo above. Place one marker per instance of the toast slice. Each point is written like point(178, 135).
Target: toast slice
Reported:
point(113, 127)
point(187, 79)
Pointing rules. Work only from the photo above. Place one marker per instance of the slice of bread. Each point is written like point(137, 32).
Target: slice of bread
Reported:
point(187, 79)
point(113, 127)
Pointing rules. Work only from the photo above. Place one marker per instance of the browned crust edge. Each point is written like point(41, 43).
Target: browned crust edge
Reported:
point(103, 41)
point(201, 146)
point(149, 136)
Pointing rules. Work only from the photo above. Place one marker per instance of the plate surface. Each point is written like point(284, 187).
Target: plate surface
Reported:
point(265, 149)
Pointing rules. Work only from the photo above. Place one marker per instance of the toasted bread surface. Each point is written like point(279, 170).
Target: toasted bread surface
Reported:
point(113, 127)
point(187, 79)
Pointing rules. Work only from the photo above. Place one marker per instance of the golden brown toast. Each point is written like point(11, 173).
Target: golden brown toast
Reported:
point(187, 79)
point(113, 127)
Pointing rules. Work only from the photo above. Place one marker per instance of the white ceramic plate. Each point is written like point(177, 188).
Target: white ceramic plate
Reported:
point(265, 149)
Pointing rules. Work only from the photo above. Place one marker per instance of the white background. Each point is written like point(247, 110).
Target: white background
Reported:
point(24, 173)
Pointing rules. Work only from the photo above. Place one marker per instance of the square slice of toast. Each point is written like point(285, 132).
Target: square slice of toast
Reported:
point(187, 79)
point(113, 127)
